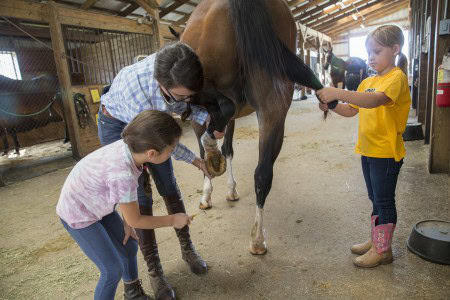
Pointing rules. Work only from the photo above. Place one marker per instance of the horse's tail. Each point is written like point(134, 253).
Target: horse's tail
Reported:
point(258, 45)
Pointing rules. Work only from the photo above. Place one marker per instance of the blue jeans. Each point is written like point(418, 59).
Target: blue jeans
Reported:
point(381, 176)
point(102, 242)
point(109, 131)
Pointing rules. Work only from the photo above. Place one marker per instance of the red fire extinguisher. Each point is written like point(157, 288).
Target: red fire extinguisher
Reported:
point(443, 88)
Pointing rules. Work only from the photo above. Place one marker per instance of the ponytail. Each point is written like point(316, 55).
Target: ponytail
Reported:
point(402, 63)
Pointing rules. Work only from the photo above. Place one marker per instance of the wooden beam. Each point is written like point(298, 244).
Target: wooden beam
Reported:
point(363, 9)
point(300, 13)
point(24, 10)
point(355, 24)
point(439, 158)
point(62, 69)
point(321, 8)
point(71, 16)
point(154, 13)
point(172, 7)
point(311, 32)
point(95, 20)
point(88, 3)
point(372, 14)
point(343, 12)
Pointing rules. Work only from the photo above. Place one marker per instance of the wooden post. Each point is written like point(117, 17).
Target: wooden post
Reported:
point(440, 116)
point(152, 9)
point(430, 69)
point(308, 63)
point(64, 78)
point(421, 88)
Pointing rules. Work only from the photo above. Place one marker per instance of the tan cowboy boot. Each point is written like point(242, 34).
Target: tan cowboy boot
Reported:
point(149, 248)
point(362, 248)
point(174, 204)
point(381, 250)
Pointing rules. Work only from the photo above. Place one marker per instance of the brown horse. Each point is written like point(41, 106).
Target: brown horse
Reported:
point(28, 104)
point(247, 49)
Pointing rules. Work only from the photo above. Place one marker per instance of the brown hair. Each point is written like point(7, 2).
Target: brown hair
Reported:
point(178, 65)
point(388, 36)
point(151, 129)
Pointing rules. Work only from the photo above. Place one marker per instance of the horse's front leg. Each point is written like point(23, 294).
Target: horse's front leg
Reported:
point(205, 202)
point(271, 132)
point(227, 151)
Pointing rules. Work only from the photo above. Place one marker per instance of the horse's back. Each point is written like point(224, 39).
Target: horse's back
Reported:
point(210, 33)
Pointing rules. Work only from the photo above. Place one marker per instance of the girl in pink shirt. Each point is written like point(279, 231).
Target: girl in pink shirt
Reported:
point(105, 178)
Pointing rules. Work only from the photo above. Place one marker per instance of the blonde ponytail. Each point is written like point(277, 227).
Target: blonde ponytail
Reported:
point(402, 63)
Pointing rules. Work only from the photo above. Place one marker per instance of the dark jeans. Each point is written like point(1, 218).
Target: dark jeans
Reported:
point(109, 131)
point(381, 176)
point(102, 242)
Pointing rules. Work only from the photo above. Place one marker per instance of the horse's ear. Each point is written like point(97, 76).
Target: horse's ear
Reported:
point(174, 33)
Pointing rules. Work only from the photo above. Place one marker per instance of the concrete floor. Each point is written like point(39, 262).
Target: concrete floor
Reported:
point(317, 208)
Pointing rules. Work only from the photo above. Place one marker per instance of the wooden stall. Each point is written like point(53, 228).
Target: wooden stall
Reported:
point(81, 66)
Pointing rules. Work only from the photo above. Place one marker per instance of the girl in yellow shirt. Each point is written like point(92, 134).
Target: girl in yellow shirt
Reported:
point(383, 104)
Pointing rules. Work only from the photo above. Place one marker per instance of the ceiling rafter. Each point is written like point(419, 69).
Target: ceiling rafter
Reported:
point(348, 16)
point(88, 4)
point(344, 12)
point(172, 7)
point(373, 14)
point(325, 12)
point(298, 11)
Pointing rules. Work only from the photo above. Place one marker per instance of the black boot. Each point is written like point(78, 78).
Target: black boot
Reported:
point(134, 291)
point(149, 249)
point(174, 204)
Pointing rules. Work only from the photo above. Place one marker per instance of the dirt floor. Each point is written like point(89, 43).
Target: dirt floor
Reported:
point(317, 208)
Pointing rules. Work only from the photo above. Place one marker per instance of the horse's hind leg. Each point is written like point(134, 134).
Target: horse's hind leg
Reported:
point(13, 133)
point(205, 202)
point(227, 151)
point(4, 135)
point(271, 133)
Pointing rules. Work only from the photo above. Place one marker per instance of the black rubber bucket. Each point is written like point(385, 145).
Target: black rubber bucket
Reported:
point(430, 239)
point(413, 132)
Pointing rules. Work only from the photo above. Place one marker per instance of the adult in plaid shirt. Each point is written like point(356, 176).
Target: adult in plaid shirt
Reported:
point(164, 81)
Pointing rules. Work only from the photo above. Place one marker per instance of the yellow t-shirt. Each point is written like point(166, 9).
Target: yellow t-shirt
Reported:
point(381, 128)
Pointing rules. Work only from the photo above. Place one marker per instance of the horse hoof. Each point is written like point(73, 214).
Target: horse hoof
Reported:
point(205, 207)
point(258, 248)
point(4, 153)
point(234, 197)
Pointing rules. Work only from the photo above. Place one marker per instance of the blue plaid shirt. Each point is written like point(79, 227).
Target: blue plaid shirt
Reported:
point(135, 89)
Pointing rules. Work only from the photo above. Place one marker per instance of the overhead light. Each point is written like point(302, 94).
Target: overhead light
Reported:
point(362, 25)
point(354, 17)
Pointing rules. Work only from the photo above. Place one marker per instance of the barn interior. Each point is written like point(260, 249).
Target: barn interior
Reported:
point(56, 58)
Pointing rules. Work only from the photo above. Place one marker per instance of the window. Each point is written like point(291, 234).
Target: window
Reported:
point(9, 65)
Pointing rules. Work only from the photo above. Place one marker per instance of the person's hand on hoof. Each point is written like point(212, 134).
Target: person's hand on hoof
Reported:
point(201, 165)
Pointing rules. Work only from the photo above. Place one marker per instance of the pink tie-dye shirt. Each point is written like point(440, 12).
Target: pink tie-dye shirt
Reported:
point(104, 178)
